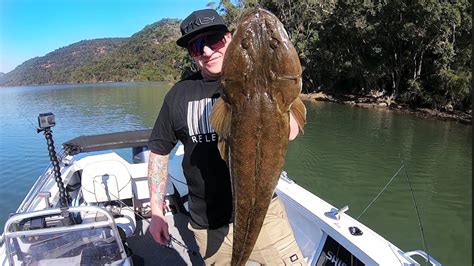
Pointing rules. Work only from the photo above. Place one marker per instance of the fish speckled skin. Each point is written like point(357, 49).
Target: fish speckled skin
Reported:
point(261, 76)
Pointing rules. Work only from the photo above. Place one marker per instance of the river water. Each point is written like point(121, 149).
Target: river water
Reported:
point(346, 156)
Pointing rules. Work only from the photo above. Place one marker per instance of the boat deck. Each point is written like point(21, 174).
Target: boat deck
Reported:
point(148, 252)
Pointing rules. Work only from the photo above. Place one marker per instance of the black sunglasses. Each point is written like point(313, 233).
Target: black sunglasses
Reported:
point(213, 41)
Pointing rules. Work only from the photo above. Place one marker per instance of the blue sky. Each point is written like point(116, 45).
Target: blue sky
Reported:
point(30, 28)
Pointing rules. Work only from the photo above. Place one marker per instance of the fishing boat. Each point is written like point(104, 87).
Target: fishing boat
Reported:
point(91, 206)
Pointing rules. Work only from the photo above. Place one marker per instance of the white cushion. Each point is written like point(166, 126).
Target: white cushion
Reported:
point(105, 181)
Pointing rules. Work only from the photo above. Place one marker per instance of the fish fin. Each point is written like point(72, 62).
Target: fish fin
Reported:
point(298, 110)
point(220, 118)
point(222, 147)
point(220, 122)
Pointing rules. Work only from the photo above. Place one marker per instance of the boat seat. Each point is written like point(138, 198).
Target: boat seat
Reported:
point(108, 183)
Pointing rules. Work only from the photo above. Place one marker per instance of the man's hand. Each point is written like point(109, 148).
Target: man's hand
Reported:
point(159, 229)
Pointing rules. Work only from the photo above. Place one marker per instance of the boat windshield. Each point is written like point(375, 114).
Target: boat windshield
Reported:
point(97, 246)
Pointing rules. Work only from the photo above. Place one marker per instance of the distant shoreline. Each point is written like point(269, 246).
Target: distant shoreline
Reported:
point(369, 102)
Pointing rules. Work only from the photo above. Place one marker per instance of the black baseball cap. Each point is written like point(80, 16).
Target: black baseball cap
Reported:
point(198, 22)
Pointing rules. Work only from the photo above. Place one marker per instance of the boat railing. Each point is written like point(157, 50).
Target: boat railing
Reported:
point(51, 241)
point(424, 255)
point(38, 186)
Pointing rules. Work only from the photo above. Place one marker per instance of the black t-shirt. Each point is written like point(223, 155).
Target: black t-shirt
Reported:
point(185, 116)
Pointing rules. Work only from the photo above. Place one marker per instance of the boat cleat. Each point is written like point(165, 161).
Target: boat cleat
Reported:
point(336, 213)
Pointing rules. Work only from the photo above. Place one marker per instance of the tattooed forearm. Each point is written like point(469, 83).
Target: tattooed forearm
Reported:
point(157, 177)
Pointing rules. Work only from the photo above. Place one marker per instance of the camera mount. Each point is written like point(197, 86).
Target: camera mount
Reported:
point(45, 122)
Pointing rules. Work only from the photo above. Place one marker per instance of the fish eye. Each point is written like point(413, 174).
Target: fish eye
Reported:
point(245, 43)
point(274, 43)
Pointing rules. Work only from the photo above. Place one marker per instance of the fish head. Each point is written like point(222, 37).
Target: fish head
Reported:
point(261, 60)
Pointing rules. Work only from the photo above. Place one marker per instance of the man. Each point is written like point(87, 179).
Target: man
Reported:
point(184, 116)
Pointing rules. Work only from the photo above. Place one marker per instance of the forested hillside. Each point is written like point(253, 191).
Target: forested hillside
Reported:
point(149, 55)
point(58, 66)
point(414, 53)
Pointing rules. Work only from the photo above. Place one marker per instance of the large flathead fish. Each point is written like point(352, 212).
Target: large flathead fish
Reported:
point(261, 76)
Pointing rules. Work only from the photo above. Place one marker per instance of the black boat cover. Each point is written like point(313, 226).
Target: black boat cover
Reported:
point(118, 140)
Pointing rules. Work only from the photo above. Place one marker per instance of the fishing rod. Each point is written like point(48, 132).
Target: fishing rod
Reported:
point(381, 192)
point(420, 224)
